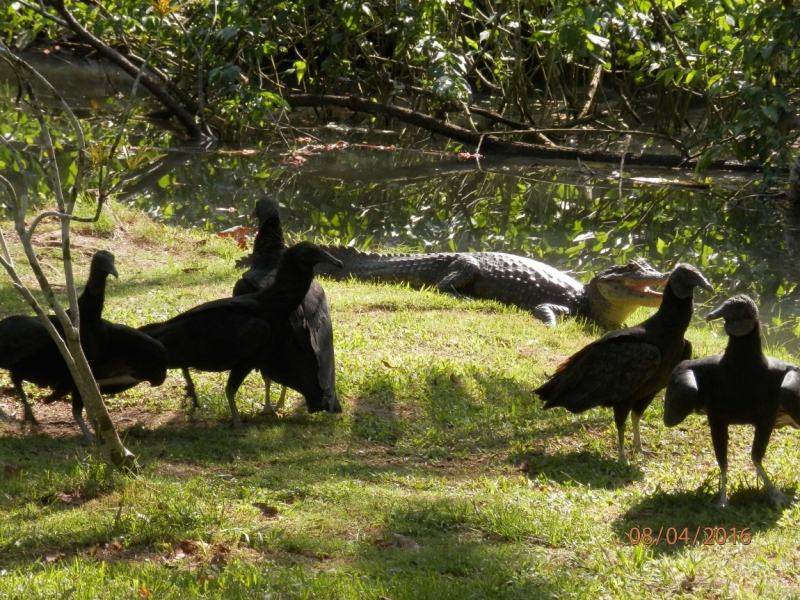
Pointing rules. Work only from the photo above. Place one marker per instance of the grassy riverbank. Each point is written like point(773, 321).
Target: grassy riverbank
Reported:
point(443, 478)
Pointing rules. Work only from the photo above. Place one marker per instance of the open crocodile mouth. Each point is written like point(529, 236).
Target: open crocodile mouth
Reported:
point(643, 289)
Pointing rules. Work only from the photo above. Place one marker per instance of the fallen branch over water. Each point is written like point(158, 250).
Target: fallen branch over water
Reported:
point(493, 144)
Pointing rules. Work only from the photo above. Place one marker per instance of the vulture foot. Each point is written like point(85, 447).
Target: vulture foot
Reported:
point(268, 410)
point(777, 497)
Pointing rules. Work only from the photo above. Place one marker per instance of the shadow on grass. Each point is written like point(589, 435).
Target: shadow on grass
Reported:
point(451, 567)
point(373, 412)
point(687, 518)
point(586, 468)
point(458, 548)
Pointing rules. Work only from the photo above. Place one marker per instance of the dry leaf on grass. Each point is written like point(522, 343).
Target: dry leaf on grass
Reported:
point(189, 547)
point(239, 233)
point(54, 557)
point(72, 498)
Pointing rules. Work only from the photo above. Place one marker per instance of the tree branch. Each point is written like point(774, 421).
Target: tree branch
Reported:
point(494, 144)
point(153, 86)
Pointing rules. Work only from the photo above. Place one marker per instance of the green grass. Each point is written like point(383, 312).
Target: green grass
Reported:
point(443, 478)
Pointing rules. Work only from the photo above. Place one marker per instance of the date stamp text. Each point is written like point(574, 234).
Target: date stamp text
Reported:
point(703, 536)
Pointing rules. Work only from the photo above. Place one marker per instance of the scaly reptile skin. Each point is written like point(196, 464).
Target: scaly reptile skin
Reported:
point(529, 284)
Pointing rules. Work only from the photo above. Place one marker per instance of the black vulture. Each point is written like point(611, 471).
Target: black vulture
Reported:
point(625, 369)
point(242, 333)
point(739, 387)
point(267, 247)
point(120, 357)
point(305, 360)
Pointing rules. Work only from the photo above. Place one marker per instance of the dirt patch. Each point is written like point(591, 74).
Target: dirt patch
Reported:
point(55, 420)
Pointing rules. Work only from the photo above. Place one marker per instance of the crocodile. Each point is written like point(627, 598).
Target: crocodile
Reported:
point(609, 297)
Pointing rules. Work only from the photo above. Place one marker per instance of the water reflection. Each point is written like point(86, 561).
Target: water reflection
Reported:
point(570, 217)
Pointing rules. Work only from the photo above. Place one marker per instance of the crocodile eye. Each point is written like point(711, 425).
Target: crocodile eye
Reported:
point(631, 266)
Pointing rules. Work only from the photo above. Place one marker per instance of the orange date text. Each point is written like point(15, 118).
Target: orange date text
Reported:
point(698, 536)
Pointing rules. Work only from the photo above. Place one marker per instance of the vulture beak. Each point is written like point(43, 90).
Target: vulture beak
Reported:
point(330, 259)
point(703, 283)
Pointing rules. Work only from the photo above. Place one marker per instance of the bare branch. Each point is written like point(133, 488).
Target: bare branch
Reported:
point(67, 343)
point(153, 86)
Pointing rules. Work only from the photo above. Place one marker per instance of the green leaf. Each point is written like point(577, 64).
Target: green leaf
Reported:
point(300, 70)
point(771, 113)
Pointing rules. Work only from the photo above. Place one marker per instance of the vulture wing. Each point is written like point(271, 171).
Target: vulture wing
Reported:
point(789, 398)
point(681, 396)
point(601, 374)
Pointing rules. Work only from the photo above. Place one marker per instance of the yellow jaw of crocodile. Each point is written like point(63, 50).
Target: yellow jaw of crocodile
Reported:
point(631, 292)
point(619, 291)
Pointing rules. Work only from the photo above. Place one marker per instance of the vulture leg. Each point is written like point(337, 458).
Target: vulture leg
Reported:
point(620, 417)
point(268, 410)
point(235, 379)
point(29, 418)
point(77, 414)
point(637, 436)
point(190, 391)
point(636, 416)
point(282, 399)
point(760, 442)
point(719, 439)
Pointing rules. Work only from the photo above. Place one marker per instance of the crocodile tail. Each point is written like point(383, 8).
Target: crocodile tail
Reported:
point(414, 269)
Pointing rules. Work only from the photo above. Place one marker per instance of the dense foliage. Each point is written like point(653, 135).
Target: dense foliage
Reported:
point(710, 78)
